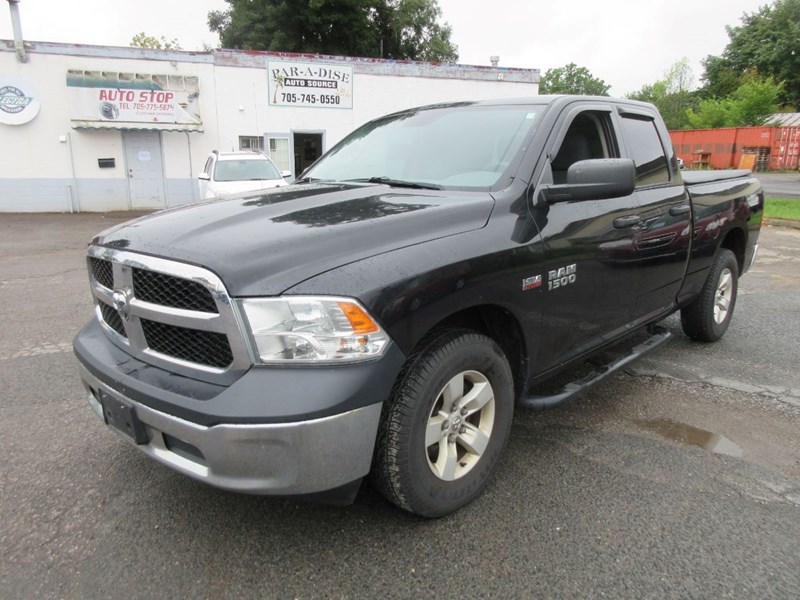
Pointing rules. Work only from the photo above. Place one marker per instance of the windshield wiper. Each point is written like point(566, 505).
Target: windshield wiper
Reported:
point(399, 183)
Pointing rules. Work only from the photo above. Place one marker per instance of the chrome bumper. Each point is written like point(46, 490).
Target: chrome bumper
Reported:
point(279, 459)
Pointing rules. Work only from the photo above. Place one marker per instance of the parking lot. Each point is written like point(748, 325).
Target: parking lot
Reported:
point(678, 478)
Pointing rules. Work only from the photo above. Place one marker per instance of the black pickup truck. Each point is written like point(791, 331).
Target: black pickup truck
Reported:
point(385, 313)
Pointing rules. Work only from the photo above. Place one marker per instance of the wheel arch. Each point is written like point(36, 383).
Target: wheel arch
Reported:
point(499, 324)
point(735, 240)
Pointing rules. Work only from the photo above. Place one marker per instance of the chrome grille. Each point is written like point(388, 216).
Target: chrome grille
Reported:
point(102, 271)
point(170, 314)
point(112, 318)
point(205, 347)
point(169, 290)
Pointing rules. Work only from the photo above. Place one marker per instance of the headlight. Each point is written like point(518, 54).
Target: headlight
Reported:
point(312, 329)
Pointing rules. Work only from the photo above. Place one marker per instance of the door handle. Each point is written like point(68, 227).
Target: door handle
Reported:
point(677, 211)
point(623, 222)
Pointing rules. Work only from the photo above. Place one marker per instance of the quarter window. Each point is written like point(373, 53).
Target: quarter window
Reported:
point(644, 147)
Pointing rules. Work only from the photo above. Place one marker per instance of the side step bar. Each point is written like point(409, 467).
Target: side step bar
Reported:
point(577, 387)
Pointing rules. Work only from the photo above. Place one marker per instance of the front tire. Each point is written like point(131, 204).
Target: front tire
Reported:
point(707, 318)
point(444, 428)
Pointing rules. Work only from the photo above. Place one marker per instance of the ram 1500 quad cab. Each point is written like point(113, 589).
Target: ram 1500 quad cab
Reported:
point(385, 313)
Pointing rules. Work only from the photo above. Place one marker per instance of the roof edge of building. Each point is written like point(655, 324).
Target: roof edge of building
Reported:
point(258, 59)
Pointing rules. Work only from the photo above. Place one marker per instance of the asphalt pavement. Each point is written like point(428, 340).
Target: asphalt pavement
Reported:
point(679, 478)
point(780, 185)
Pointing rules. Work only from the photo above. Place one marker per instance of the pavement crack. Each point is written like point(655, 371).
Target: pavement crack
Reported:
point(788, 396)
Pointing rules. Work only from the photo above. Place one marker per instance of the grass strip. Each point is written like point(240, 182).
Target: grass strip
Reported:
point(782, 208)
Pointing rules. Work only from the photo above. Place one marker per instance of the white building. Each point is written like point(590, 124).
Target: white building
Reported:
point(92, 128)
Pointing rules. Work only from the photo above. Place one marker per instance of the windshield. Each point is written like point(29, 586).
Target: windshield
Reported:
point(245, 170)
point(465, 146)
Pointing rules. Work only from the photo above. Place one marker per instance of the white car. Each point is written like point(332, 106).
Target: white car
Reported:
point(233, 172)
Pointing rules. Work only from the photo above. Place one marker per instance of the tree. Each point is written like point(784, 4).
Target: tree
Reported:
point(750, 104)
point(572, 79)
point(719, 78)
point(410, 29)
point(142, 40)
point(400, 29)
point(672, 95)
point(767, 41)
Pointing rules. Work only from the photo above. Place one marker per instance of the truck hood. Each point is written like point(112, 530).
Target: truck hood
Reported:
point(265, 243)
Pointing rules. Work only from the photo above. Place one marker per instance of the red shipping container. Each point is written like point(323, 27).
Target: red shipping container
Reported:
point(759, 148)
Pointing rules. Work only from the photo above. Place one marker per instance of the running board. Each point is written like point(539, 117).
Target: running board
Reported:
point(577, 387)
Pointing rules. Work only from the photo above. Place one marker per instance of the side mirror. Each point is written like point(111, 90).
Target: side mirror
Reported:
point(595, 179)
point(204, 176)
point(286, 174)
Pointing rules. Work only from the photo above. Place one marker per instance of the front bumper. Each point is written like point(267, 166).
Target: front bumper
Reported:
point(277, 431)
point(283, 459)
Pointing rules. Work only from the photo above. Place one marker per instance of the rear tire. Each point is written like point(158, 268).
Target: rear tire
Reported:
point(707, 318)
point(444, 428)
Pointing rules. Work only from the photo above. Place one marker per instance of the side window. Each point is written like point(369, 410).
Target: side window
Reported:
point(644, 145)
point(590, 135)
point(207, 168)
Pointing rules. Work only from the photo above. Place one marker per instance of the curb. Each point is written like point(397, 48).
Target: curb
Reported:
point(782, 223)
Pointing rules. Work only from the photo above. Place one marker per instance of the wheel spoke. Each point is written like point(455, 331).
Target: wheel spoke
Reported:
point(724, 281)
point(453, 391)
point(474, 440)
point(723, 303)
point(447, 461)
point(478, 397)
point(434, 431)
point(448, 432)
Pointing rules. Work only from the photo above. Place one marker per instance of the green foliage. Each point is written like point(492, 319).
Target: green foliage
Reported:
point(756, 99)
point(750, 104)
point(142, 40)
point(672, 95)
point(572, 79)
point(400, 29)
point(719, 78)
point(782, 208)
point(767, 41)
point(710, 114)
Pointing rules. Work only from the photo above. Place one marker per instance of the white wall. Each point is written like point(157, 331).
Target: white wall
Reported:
point(36, 173)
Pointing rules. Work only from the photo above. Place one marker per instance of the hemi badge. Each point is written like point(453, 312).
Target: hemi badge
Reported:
point(531, 283)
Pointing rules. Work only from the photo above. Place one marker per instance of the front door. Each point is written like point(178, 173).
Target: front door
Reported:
point(145, 165)
point(590, 274)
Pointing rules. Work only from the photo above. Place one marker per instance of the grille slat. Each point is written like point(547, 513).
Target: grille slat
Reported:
point(205, 347)
point(112, 319)
point(102, 271)
point(168, 290)
point(148, 290)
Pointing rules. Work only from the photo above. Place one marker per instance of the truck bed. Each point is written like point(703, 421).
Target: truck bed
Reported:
point(697, 177)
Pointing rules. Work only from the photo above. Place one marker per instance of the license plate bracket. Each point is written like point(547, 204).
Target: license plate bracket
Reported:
point(121, 415)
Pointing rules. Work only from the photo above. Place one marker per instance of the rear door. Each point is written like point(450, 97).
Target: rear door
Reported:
point(591, 272)
point(663, 235)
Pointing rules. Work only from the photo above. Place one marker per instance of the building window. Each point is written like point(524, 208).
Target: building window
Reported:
point(251, 142)
point(279, 153)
